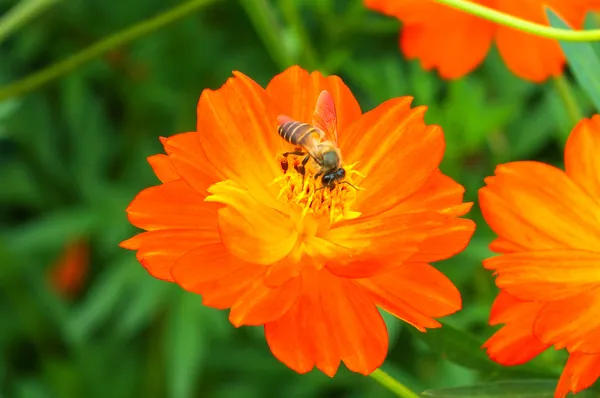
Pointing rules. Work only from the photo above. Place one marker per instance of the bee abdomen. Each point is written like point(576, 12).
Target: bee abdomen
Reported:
point(295, 132)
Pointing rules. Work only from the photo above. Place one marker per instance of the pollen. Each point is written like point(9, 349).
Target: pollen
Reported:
point(307, 192)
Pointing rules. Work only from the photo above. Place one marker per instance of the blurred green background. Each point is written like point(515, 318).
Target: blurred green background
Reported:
point(73, 154)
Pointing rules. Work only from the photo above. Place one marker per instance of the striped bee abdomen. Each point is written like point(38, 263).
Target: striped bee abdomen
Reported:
point(296, 133)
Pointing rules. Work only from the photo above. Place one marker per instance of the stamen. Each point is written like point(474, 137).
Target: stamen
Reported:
point(308, 193)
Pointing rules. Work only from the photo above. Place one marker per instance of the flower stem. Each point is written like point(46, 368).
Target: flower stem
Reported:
point(392, 384)
point(62, 68)
point(521, 24)
point(22, 12)
point(566, 94)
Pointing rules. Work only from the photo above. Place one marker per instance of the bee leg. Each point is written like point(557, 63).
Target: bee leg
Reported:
point(297, 153)
point(302, 167)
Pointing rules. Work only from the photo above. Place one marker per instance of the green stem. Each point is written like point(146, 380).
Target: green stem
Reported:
point(62, 68)
point(24, 11)
point(267, 26)
point(521, 24)
point(566, 94)
point(392, 384)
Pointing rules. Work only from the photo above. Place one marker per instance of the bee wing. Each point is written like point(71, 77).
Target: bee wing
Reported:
point(325, 116)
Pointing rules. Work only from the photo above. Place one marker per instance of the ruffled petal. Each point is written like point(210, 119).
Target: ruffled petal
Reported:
point(221, 278)
point(163, 168)
point(173, 205)
point(582, 159)
point(238, 133)
point(295, 91)
point(380, 242)
point(263, 304)
point(333, 320)
point(445, 241)
point(538, 207)
point(396, 151)
point(500, 245)
point(572, 323)
point(546, 276)
point(158, 250)
point(415, 293)
point(188, 158)
point(515, 343)
point(580, 372)
point(249, 229)
point(441, 37)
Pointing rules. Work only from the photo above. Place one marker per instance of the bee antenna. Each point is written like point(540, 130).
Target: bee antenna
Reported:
point(346, 182)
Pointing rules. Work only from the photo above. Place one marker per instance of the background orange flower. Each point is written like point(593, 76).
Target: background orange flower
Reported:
point(455, 43)
point(310, 265)
point(548, 226)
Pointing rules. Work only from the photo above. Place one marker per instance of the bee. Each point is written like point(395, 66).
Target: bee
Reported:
point(318, 141)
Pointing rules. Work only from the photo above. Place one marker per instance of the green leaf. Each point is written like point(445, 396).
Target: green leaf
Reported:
point(465, 350)
point(504, 389)
point(186, 345)
point(582, 60)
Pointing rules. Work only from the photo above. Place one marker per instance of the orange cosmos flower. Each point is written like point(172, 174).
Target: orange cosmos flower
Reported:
point(237, 223)
point(67, 274)
point(548, 226)
point(455, 43)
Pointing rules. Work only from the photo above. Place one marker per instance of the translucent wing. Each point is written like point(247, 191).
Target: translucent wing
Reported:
point(325, 116)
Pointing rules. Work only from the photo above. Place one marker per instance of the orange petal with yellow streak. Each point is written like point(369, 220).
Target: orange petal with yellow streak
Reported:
point(158, 250)
point(378, 238)
point(500, 245)
point(172, 205)
point(249, 228)
point(295, 91)
point(333, 320)
point(396, 151)
point(237, 125)
point(538, 207)
point(582, 161)
point(163, 168)
point(572, 323)
point(580, 372)
point(415, 293)
point(188, 158)
point(438, 193)
point(218, 276)
point(546, 276)
point(262, 304)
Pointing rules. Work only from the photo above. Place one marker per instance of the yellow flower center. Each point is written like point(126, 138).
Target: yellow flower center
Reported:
point(308, 192)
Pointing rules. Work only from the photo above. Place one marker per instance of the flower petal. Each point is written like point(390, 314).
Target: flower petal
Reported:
point(263, 304)
point(296, 91)
point(415, 293)
point(158, 250)
point(249, 229)
point(546, 276)
point(173, 205)
point(445, 241)
point(221, 278)
point(500, 245)
point(441, 37)
point(163, 168)
point(238, 133)
point(538, 207)
point(438, 193)
point(572, 323)
point(188, 158)
point(581, 156)
point(580, 372)
point(396, 151)
point(515, 343)
point(333, 320)
point(381, 242)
